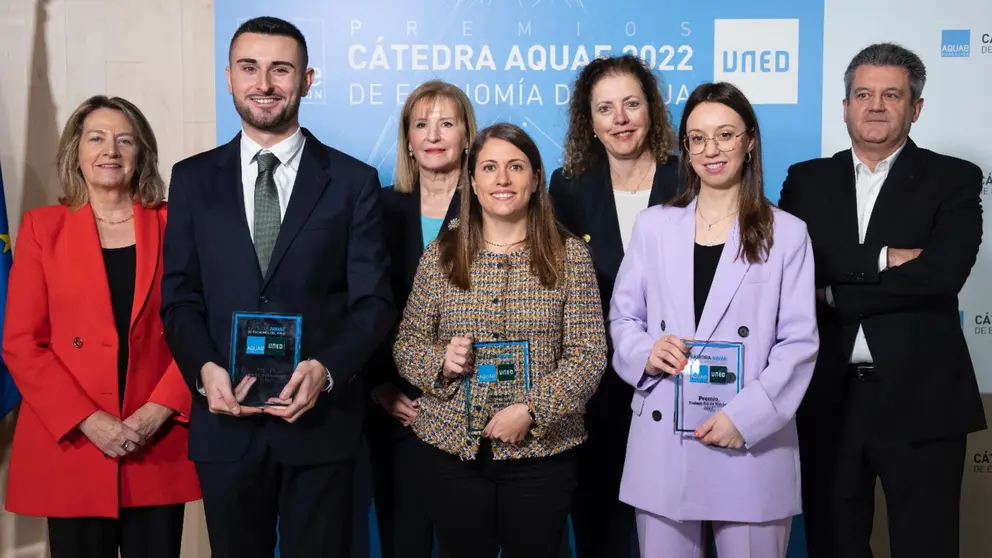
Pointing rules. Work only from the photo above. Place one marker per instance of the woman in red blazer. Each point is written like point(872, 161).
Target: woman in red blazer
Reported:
point(100, 446)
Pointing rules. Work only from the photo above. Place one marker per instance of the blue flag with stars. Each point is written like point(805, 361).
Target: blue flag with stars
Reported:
point(9, 396)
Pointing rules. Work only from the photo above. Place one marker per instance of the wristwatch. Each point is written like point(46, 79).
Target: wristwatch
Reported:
point(330, 379)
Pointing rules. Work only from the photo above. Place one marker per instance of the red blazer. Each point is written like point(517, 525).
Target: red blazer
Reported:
point(60, 344)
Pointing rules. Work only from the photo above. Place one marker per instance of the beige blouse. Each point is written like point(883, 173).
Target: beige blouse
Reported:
point(564, 327)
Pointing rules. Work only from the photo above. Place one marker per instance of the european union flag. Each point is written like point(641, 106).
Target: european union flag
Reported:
point(9, 396)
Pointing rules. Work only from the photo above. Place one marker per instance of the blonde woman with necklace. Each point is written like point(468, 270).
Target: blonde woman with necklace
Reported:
point(437, 124)
point(100, 444)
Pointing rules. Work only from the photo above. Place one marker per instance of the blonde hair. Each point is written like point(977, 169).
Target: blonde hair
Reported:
point(147, 185)
point(407, 169)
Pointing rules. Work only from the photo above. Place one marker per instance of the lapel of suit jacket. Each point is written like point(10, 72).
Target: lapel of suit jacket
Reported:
point(842, 189)
point(727, 280)
point(454, 208)
point(660, 187)
point(311, 181)
point(891, 196)
point(232, 220)
point(604, 226)
point(148, 249)
point(413, 232)
point(83, 254)
point(677, 240)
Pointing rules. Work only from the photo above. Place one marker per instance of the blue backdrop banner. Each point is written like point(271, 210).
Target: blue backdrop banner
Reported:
point(516, 60)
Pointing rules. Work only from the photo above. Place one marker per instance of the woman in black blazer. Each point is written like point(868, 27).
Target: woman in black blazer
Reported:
point(436, 127)
point(618, 161)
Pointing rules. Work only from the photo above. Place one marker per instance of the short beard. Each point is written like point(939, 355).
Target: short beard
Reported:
point(288, 114)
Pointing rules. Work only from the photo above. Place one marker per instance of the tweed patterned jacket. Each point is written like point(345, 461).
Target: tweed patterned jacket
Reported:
point(564, 327)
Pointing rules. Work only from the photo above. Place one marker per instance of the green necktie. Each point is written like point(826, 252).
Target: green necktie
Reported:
point(267, 214)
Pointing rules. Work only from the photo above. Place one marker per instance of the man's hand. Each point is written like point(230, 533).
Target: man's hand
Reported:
point(300, 394)
point(396, 403)
point(148, 419)
point(112, 436)
point(898, 256)
point(220, 399)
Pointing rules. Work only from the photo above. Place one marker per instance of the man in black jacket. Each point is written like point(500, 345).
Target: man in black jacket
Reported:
point(896, 230)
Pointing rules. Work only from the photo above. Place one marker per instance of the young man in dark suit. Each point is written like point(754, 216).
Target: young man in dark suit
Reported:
point(896, 230)
point(275, 222)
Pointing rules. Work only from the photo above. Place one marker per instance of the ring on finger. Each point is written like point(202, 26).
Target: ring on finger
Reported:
point(126, 445)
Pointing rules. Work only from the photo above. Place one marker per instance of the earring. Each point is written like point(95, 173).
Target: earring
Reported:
point(747, 158)
point(410, 153)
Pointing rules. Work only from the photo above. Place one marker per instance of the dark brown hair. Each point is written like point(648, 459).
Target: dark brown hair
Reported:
point(459, 245)
point(582, 150)
point(753, 208)
point(147, 185)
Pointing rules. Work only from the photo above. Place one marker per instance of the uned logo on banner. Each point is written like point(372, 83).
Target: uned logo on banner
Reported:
point(760, 56)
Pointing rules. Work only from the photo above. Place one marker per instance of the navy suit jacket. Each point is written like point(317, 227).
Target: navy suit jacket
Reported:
point(329, 264)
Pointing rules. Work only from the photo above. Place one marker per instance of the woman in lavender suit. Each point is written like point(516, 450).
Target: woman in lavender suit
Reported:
point(718, 263)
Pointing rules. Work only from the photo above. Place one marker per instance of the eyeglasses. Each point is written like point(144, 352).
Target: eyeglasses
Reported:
point(725, 141)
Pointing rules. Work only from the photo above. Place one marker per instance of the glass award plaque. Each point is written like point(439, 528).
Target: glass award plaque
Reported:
point(501, 378)
point(266, 347)
point(710, 380)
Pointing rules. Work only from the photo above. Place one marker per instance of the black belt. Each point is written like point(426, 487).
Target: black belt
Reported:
point(863, 372)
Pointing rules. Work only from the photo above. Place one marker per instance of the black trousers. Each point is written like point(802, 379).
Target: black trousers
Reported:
point(602, 524)
point(483, 507)
point(242, 499)
point(405, 529)
point(845, 452)
point(146, 532)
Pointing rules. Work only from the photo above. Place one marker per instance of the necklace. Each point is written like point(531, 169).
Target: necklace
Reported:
point(504, 245)
point(709, 226)
point(637, 186)
point(102, 220)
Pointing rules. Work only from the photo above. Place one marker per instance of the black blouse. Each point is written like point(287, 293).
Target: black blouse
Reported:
point(704, 262)
point(121, 264)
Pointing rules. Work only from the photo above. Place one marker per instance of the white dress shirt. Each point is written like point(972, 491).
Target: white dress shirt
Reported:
point(628, 206)
point(288, 151)
point(867, 186)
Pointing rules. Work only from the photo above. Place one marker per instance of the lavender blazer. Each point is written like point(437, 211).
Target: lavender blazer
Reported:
point(770, 307)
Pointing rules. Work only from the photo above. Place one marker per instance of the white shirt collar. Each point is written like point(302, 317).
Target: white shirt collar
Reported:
point(883, 166)
point(287, 150)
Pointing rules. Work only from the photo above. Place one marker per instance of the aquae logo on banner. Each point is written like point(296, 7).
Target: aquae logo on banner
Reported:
point(760, 56)
point(955, 43)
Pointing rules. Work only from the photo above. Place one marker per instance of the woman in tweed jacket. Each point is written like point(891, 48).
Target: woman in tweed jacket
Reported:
point(505, 272)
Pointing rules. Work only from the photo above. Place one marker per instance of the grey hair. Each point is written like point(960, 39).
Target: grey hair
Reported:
point(889, 54)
